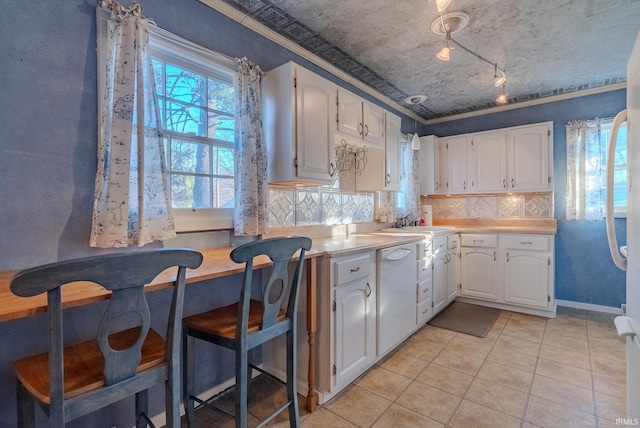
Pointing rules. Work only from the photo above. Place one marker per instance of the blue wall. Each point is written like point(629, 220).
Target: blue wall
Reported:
point(584, 270)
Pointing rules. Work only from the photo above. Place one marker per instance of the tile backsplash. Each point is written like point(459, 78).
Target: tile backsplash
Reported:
point(307, 206)
point(524, 205)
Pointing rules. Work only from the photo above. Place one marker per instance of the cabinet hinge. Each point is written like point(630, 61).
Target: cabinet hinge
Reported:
point(549, 179)
point(295, 162)
point(471, 143)
point(548, 262)
point(335, 370)
point(447, 146)
point(295, 82)
point(432, 303)
point(334, 306)
point(548, 298)
point(548, 133)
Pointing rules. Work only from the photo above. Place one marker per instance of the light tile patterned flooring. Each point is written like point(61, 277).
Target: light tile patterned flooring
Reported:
point(528, 372)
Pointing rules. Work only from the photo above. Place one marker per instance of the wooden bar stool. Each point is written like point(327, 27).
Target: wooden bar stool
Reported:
point(69, 382)
point(249, 323)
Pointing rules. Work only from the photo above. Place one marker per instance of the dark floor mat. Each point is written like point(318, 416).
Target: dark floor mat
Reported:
point(466, 318)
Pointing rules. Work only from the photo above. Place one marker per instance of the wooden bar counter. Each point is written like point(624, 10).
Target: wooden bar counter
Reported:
point(216, 264)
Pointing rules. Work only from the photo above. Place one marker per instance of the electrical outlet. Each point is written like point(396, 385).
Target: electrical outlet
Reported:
point(624, 308)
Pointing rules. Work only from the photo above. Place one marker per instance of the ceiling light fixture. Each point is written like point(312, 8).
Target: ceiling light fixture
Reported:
point(449, 23)
point(441, 5)
point(415, 141)
point(502, 98)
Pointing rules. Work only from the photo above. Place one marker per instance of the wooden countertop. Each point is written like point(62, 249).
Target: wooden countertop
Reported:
point(216, 264)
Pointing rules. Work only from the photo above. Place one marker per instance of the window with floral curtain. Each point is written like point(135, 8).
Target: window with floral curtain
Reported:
point(587, 142)
point(132, 201)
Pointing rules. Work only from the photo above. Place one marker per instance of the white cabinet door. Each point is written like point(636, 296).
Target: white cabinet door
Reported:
point(355, 329)
point(457, 164)
point(528, 150)
point(373, 124)
point(439, 274)
point(489, 161)
point(299, 110)
point(442, 168)
point(392, 152)
point(349, 113)
point(527, 278)
point(479, 273)
point(314, 101)
point(428, 158)
point(453, 276)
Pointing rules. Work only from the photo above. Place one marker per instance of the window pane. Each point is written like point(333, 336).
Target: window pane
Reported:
point(185, 119)
point(221, 97)
point(190, 157)
point(158, 76)
point(185, 85)
point(223, 192)
point(223, 162)
point(220, 127)
point(188, 191)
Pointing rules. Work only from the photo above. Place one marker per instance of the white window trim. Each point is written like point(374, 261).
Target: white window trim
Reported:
point(619, 211)
point(200, 58)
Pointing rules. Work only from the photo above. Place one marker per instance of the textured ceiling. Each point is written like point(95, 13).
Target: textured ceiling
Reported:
point(548, 47)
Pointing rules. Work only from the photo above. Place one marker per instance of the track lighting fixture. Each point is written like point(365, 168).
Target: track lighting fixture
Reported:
point(449, 23)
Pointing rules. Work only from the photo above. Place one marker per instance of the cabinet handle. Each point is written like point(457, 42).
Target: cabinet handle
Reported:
point(367, 130)
point(464, 185)
point(526, 242)
point(504, 183)
point(368, 289)
point(388, 179)
point(360, 129)
point(513, 182)
point(494, 256)
point(332, 169)
point(478, 240)
point(356, 269)
point(426, 290)
point(437, 186)
point(507, 256)
point(425, 311)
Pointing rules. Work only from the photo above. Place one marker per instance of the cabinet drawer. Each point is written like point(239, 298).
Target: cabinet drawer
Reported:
point(424, 311)
point(424, 291)
point(424, 249)
point(452, 241)
point(352, 269)
point(527, 242)
point(473, 240)
point(424, 268)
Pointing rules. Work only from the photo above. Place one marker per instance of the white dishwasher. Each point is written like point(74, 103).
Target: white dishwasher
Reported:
point(397, 270)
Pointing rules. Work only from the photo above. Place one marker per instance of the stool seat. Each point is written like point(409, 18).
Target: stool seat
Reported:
point(83, 364)
point(223, 321)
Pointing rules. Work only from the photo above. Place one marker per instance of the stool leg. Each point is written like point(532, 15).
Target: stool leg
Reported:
point(188, 377)
point(292, 387)
point(26, 407)
point(241, 386)
point(142, 407)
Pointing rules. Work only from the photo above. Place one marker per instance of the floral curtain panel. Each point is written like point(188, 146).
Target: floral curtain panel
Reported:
point(409, 179)
point(251, 189)
point(584, 170)
point(132, 201)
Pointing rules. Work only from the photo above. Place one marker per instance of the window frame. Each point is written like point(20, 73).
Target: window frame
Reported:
point(172, 48)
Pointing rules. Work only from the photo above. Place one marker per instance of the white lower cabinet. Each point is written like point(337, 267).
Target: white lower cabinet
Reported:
point(439, 273)
point(528, 271)
point(355, 322)
point(452, 285)
point(506, 270)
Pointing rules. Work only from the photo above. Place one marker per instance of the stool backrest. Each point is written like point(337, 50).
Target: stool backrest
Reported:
point(125, 275)
point(281, 251)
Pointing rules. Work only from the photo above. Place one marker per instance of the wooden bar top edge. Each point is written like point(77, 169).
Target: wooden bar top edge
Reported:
point(216, 264)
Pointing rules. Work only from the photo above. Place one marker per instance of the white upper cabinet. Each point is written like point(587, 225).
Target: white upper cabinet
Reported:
point(488, 164)
point(529, 157)
point(299, 111)
point(382, 170)
point(503, 160)
point(359, 118)
point(457, 166)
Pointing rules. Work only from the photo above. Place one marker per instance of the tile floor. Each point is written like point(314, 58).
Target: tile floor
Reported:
point(528, 372)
